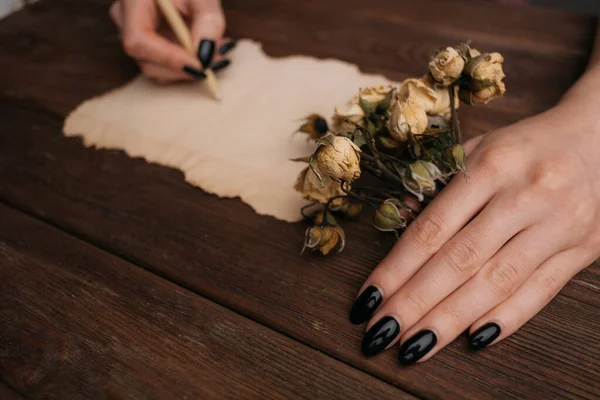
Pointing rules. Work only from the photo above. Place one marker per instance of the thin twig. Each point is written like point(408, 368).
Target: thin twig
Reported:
point(454, 117)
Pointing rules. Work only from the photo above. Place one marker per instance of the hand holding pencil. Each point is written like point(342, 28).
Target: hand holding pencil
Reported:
point(172, 51)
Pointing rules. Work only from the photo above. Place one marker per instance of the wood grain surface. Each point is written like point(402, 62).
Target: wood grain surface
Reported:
point(218, 248)
point(78, 322)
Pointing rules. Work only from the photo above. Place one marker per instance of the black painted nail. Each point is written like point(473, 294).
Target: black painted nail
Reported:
point(365, 305)
point(416, 347)
point(220, 65)
point(195, 72)
point(206, 51)
point(484, 336)
point(227, 47)
point(380, 336)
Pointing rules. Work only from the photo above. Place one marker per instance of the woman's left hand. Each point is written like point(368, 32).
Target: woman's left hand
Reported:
point(493, 249)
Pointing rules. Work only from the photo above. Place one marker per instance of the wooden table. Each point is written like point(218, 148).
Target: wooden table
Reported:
point(119, 280)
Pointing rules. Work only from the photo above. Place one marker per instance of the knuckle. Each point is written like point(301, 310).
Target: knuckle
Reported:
point(549, 175)
point(462, 255)
point(503, 278)
point(455, 315)
point(496, 158)
point(427, 231)
point(132, 44)
point(547, 286)
point(416, 302)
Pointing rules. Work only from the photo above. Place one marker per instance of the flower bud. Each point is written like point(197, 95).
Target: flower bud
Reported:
point(315, 126)
point(489, 93)
point(353, 112)
point(324, 238)
point(446, 66)
point(311, 188)
point(454, 157)
point(392, 215)
point(338, 158)
point(376, 97)
point(407, 118)
point(351, 207)
point(486, 75)
point(420, 177)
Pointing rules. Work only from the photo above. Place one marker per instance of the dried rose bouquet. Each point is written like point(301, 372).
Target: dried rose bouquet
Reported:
point(408, 138)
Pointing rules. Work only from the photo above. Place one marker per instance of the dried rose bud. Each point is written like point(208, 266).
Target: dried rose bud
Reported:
point(320, 217)
point(324, 238)
point(392, 215)
point(315, 126)
point(446, 66)
point(353, 112)
point(338, 158)
point(407, 118)
point(454, 157)
point(420, 177)
point(486, 75)
point(351, 207)
point(422, 91)
point(375, 97)
point(489, 93)
point(311, 188)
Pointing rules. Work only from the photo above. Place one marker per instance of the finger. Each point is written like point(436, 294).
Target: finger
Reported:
point(208, 20)
point(208, 26)
point(533, 295)
point(116, 13)
point(162, 74)
point(495, 282)
point(140, 40)
point(449, 212)
point(470, 144)
point(453, 265)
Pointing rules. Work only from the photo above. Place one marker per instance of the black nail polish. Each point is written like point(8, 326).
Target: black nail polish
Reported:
point(195, 72)
point(484, 336)
point(416, 347)
point(380, 336)
point(206, 51)
point(220, 65)
point(227, 47)
point(365, 305)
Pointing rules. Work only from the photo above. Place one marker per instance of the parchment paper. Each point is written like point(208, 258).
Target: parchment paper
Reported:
point(238, 147)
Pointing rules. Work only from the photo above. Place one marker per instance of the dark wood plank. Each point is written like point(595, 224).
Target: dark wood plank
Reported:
point(77, 322)
point(221, 249)
point(6, 393)
point(149, 215)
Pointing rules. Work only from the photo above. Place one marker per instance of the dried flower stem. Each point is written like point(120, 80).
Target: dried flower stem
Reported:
point(454, 117)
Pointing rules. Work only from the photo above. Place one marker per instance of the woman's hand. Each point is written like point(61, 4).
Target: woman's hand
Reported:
point(492, 250)
point(158, 54)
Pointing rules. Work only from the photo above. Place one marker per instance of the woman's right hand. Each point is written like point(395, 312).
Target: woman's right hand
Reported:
point(158, 54)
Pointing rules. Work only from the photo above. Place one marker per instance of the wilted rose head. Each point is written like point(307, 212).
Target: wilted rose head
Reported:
point(422, 91)
point(406, 118)
point(374, 97)
point(486, 75)
point(352, 112)
point(313, 188)
point(446, 66)
point(324, 238)
point(338, 157)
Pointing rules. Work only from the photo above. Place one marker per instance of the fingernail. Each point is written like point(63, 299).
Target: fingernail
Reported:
point(380, 336)
point(227, 47)
point(194, 72)
point(416, 347)
point(220, 65)
point(365, 305)
point(484, 336)
point(206, 51)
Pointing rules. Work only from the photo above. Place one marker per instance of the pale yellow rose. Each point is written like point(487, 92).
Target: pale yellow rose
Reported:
point(375, 94)
point(339, 158)
point(352, 112)
point(489, 93)
point(311, 188)
point(421, 91)
point(446, 66)
point(406, 118)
